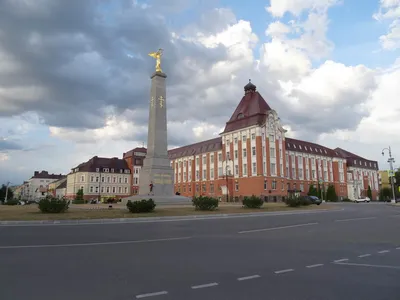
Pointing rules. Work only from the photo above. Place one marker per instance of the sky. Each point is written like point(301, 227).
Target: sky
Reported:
point(75, 75)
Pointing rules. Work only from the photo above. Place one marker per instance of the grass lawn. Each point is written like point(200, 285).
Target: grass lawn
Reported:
point(31, 212)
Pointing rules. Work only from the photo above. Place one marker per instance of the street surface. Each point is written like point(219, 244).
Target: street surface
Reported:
point(350, 253)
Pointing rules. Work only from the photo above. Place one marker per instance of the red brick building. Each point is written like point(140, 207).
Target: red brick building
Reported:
point(134, 159)
point(253, 156)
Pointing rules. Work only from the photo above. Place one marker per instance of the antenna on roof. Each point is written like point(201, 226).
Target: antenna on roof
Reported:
point(249, 80)
point(143, 144)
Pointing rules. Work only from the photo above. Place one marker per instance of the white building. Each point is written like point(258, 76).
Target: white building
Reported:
point(36, 187)
point(101, 178)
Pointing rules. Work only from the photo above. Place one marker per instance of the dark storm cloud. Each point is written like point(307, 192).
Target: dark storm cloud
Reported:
point(83, 56)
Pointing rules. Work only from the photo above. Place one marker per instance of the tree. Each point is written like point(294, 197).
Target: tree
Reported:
point(369, 192)
point(331, 194)
point(385, 194)
point(312, 191)
point(79, 197)
point(3, 191)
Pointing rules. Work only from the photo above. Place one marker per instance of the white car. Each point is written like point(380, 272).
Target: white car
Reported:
point(366, 199)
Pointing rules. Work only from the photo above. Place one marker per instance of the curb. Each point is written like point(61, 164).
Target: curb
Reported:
point(157, 219)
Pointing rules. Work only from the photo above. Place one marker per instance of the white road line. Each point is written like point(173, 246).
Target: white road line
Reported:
point(383, 251)
point(395, 216)
point(355, 219)
point(364, 255)
point(96, 244)
point(314, 266)
point(340, 260)
point(371, 266)
point(398, 248)
point(284, 271)
point(277, 228)
point(248, 277)
point(202, 286)
point(151, 294)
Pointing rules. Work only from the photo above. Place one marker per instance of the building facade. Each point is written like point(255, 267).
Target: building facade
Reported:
point(37, 186)
point(134, 158)
point(100, 178)
point(57, 188)
point(253, 156)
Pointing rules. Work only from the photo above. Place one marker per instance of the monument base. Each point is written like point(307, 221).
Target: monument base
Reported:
point(161, 200)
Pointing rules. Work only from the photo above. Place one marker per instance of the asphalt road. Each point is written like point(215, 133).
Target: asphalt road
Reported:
point(350, 253)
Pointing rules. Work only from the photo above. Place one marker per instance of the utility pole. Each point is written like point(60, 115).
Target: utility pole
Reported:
point(391, 161)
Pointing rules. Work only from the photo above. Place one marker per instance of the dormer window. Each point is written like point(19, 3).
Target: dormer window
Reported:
point(240, 116)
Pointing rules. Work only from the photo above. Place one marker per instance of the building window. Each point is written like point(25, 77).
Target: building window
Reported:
point(244, 153)
point(126, 190)
point(197, 161)
point(273, 167)
point(108, 179)
point(253, 150)
point(301, 187)
point(211, 158)
point(236, 140)
point(97, 178)
point(97, 189)
point(190, 188)
point(244, 169)
point(212, 173)
point(274, 185)
point(91, 189)
point(119, 180)
point(204, 174)
point(82, 178)
point(313, 174)
point(265, 184)
point(244, 138)
point(220, 171)
point(203, 188)
point(112, 170)
point(114, 179)
point(126, 180)
point(91, 178)
point(272, 152)
point(119, 190)
point(227, 155)
point(219, 156)
point(184, 188)
point(211, 188)
point(271, 137)
point(135, 180)
point(301, 173)
point(253, 136)
point(107, 189)
point(97, 170)
point(113, 189)
point(197, 188)
point(236, 186)
point(102, 189)
point(236, 154)
point(254, 168)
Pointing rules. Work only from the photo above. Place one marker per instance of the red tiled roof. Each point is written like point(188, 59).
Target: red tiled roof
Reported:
point(252, 110)
point(354, 160)
point(137, 149)
point(46, 175)
point(311, 148)
point(198, 148)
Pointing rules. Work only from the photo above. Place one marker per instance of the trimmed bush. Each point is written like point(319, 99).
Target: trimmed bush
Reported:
point(141, 206)
point(53, 205)
point(205, 203)
point(297, 201)
point(252, 202)
point(11, 202)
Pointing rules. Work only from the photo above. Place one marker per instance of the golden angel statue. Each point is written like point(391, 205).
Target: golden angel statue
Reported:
point(157, 55)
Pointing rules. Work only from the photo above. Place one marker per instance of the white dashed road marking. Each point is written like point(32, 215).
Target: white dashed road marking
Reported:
point(277, 228)
point(367, 265)
point(202, 286)
point(314, 266)
point(151, 294)
point(398, 248)
point(356, 219)
point(364, 255)
point(383, 251)
point(284, 271)
point(340, 260)
point(248, 277)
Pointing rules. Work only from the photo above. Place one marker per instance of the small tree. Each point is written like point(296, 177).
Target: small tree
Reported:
point(331, 194)
point(3, 192)
point(369, 192)
point(312, 191)
point(385, 194)
point(79, 197)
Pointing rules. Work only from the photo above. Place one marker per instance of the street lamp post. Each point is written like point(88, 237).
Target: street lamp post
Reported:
point(5, 199)
point(391, 162)
point(99, 197)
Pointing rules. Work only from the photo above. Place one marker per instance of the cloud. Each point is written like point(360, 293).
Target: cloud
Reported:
point(389, 10)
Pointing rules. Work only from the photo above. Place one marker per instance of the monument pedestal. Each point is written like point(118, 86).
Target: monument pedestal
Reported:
point(157, 170)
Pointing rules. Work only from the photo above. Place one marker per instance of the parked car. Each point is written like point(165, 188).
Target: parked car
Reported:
point(366, 200)
point(314, 200)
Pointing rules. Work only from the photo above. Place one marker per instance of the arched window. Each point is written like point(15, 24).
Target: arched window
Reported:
point(240, 116)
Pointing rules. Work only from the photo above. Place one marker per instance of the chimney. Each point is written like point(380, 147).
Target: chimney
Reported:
point(36, 173)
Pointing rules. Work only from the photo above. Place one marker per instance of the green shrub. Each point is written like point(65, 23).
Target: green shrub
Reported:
point(141, 206)
point(252, 202)
point(205, 203)
point(53, 205)
point(11, 202)
point(346, 200)
point(297, 201)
